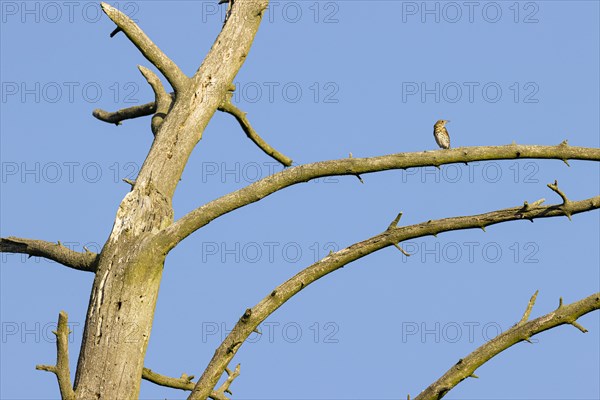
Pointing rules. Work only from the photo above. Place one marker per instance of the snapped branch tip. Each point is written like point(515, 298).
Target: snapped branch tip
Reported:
point(530, 305)
point(538, 202)
point(394, 223)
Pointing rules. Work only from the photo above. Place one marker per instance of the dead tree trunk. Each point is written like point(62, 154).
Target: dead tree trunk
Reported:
point(129, 268)
point(123, 299)
point(129, 271)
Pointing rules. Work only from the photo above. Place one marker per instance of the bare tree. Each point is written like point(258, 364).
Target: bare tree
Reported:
point(128, 270)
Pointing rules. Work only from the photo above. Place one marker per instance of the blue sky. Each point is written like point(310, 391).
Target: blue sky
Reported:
point(323, 79)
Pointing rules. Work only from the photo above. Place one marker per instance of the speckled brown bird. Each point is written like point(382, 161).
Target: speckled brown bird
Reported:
point(440, 133)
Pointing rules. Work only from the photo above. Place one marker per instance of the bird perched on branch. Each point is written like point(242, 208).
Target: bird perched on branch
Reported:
point(440, 133)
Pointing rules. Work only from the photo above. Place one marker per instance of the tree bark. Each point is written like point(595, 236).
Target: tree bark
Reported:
point(129, 271)
point(123, 300)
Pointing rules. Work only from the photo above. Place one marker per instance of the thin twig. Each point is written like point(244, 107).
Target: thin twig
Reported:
point(401, 250)
point(394, 223)
point(530, 305)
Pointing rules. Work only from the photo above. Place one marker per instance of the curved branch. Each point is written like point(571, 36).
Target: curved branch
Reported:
point(61, 369)
point(53, 251)
point(163, 99)
point(183, 383)
point(522, 331)
point(391, 236)
point(240, 116)
point(354, 166)
point(152, 52)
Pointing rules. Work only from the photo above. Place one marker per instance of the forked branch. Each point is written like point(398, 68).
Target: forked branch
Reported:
point(521, 332)
point(116, 117)
point(219, 394)
point(61, 369)
point(391, 236)
point(152, 52)
point(554, 188)
point(53, 251)
point(185, 382)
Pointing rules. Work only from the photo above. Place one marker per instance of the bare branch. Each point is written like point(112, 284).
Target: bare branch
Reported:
point(554, 187)
point(113, 33)
point(219, 394)
point(240, 116)
point(353, 166)
point(165, 65)
point(61, 369)
point(163, 99)
point(530, 305)
point(401, 250)
point(185, 382)
point(53, 251)
point(129, 182)
point(116, 117)
point(392, 235)
point(394, 223)
point(518, 333)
